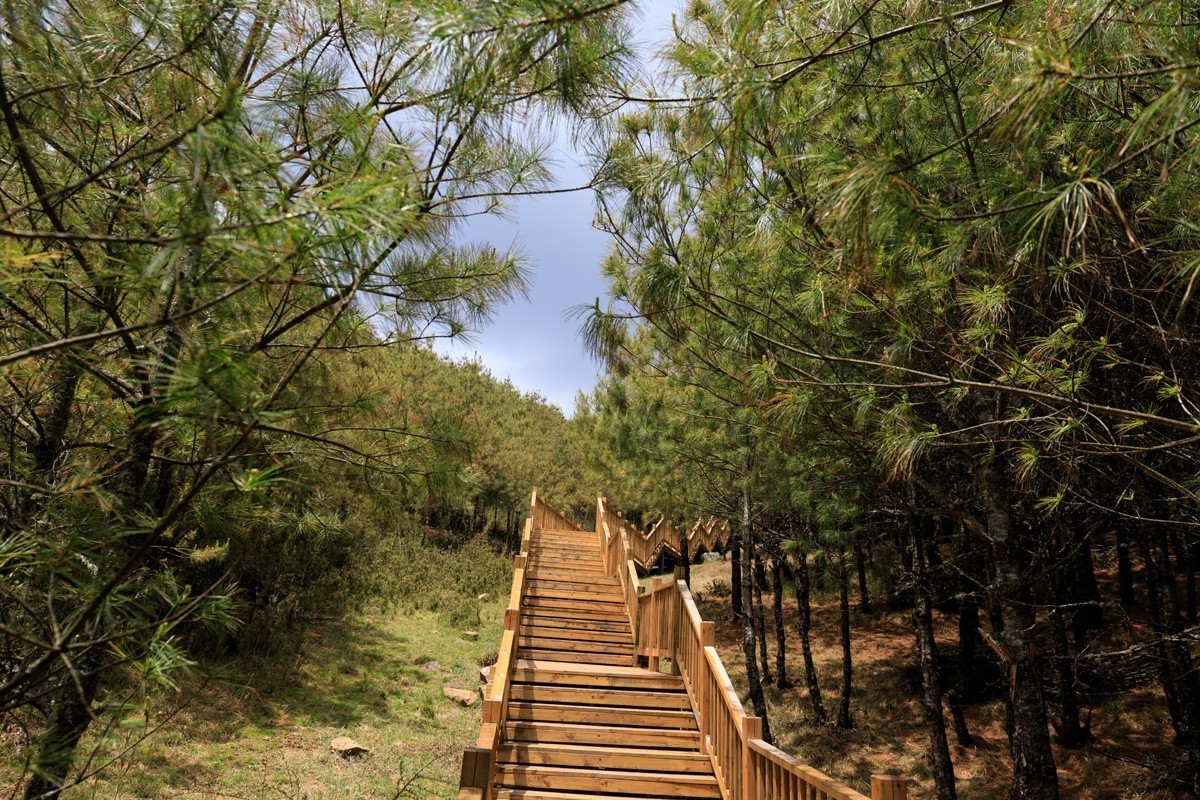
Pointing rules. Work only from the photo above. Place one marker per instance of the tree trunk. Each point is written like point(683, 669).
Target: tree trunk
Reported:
point(70, 715)
point(735, 580)
point(1177, 670)
point(1034, 774)
point(1184, 564)
point(760, 622)
point(1071, 732)
point(749, 647)
point(927, 658)
point(804, 624)
point(781, 678)
point(860, 562)
point(685, 560)
point(1124, 569)
point(843, 719)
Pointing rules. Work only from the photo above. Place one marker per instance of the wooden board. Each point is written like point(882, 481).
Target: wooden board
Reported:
point(575, 634)
point(575, 645)
point(609, 781)
point(609, 659)
point(594, 715)
point(608, 696)
point(571, 733)
point(641, 759)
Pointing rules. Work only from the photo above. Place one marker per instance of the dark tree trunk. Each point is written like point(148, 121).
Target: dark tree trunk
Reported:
point(760, 621)
point(1177, 670)
point(1072, 733)
point(749, 647)
point(1124, 570)
point(864, 593)
point(781, 678)
point(735, 580)
point(843, 719)
point(1088, 612)
point(927, 658)
point(804, 625)
point(70, 715)
point(1183, 564)
point(1035, 776)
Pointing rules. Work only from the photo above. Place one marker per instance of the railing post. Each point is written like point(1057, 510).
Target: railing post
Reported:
point(889, 787)
point(751, 729)
point(476, 771)
point(708, 638)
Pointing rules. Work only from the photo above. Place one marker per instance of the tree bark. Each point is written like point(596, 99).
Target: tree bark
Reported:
point(1124, 569)
point(864, 593)
point(927, 658)
point(844, 720)
point(760, 622)
point(804, 625)
point(781, 677)
point(749, 647)
point(70, 715)
point(1035, 776)
point(735, 580)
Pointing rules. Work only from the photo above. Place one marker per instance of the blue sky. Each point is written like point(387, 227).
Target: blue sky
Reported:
point(532, 343)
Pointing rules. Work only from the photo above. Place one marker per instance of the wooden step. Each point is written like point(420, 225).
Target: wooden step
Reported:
point(598, 715)
point(602, 594)
point(582, 604)
point(575, 645)
point(544, 619)
point(608, 781)
point(575, 634)
point(522, 793)
point(527, 670)
point(571, 733)
point(640, 759)
point(609, 659)
point(571, 579)
point(584, 696)
point(536, 566)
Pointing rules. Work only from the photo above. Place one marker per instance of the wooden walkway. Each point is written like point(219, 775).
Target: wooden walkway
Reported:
point(578, 707)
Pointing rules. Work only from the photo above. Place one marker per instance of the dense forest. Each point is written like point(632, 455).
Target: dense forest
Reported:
point(904, 290)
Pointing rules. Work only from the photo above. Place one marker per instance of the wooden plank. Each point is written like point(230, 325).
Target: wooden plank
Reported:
point(614, 781)
point(573, 633)
point(572, 578)
point(544, 619)
point(593, 595)
point(581, 604)
point(582, 695)
point(522, 793)
point(574, 645)
point(557, 673)
point(572, 733)
point(616, 673)
point(642, 759)
point(573, 657)
point(594, 715)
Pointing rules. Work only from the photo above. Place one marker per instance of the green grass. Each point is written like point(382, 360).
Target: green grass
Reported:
point(264, 731)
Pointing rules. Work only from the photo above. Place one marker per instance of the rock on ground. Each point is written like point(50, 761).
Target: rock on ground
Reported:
point(459, 695)
point(346, 747)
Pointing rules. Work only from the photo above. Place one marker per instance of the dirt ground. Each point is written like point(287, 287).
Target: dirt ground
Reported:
point(1128, 759)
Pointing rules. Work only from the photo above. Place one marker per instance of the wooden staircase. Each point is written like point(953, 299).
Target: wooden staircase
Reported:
point(577, 708)
point(583, 722)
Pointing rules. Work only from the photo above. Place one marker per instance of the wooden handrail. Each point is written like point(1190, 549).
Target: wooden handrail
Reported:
point(746, 767)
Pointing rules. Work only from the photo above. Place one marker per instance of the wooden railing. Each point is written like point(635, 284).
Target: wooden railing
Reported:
point(615, 534)
point(747, 767)
point(645, 548)
point(479, 762)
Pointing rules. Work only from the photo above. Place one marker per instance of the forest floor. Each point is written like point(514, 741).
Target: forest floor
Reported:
point(266, 733)
point(1127, 760)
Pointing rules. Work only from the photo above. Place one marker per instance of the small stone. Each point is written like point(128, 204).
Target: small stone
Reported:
point(485, 674)
point(707, 557)
point(431, 666)
point(459, 695)
point(346, 747)
point(483, 691)
point(472, 635)
point(483, 597)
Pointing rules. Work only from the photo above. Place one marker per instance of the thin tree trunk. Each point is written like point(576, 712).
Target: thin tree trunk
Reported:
point(964, 690)
point(781, 677)
point(804, 624)
point(1177, 669)
point(760, 622)
point(1124, 569)
point(735, 581)
point(864, 593)
point(844, 720)
point(749, 647)
point(685, 560)
point(70, 715)
point(1072, 733)
point(927, 657)
point(1035, 776)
